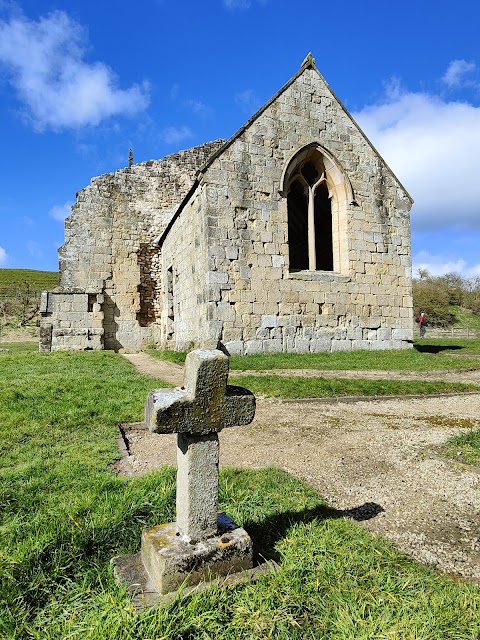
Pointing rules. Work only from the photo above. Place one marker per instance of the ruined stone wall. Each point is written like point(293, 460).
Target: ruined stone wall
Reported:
point(80, 326)
point(184, 271)
point(256, 303)
point(109, 246)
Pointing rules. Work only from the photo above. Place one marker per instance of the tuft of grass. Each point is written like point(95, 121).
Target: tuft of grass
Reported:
point(177, 357)
point(464, 447)
point(64, 514)
point(296, 387)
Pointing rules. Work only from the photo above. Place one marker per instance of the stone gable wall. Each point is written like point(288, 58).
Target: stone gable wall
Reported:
point(255, 304)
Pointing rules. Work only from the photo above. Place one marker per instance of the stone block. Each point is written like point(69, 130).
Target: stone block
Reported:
point(277, 261)
point(320, 345)
point(341, 345)
point(402, 334)
point(273, 346)
point(234, 347)
point(302, 345)
point(269, 321)
point(253, 346)
point(169, 561)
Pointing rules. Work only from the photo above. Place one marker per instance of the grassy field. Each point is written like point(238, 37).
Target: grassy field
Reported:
point(465, 318)
point(295, 387)
point(429, 354)
point(13, 279)
point(65, 514)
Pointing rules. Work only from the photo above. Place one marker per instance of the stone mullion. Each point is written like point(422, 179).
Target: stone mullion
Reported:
point(312, 251)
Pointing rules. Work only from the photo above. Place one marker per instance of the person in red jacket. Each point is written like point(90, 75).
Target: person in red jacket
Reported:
point(422, 324)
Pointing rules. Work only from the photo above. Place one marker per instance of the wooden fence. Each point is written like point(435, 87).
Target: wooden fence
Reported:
point(448, 332)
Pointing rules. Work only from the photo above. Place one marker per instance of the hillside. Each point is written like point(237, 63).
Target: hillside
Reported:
point(465, 317)
point(14, 280)
point(20, 291)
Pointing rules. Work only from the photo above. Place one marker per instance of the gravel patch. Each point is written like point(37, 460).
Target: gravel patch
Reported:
point(382, 456)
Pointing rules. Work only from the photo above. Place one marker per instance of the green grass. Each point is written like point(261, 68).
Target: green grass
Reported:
point(429, 354)
point(465, 317)
point(465, 447)
point(19, 347)
point(64, 514)
point(13, 279)
point(297, 387)
point(177, 357)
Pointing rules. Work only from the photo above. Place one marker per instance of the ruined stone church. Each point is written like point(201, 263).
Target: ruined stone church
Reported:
point(293, 235)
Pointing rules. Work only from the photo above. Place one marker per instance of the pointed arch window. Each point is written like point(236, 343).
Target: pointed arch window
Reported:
point(310, 216)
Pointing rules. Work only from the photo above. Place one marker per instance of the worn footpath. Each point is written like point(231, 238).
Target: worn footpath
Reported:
point(380, 459)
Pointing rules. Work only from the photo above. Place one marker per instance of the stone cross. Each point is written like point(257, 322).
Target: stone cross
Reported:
point(196, 413)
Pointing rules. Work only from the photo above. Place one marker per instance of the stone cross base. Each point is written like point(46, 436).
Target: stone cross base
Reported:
point(167, 561)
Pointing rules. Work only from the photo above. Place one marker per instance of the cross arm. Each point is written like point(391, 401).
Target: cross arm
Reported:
point(174, 411)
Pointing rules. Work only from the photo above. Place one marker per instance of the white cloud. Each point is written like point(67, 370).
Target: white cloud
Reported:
point(34, 249)
point(60, 212)
point(432, 146)
point(198, 107)
point(456, 71)
point(59, 88)
point(175, 135)
point(237, 4)
point(3, 257)
point(241, 4)
point(438, 265)
point(248, 101)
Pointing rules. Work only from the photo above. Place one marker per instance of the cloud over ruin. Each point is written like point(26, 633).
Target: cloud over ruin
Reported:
point(45, 62)
point(432, 146)
point(60, 212)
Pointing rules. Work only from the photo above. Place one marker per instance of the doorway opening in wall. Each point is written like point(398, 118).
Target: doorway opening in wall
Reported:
point(310, 237)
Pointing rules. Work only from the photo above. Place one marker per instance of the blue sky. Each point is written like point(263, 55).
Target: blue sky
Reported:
point(82, 82)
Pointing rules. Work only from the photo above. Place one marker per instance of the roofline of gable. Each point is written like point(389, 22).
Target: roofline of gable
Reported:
point(308, 63)
point(367, 140)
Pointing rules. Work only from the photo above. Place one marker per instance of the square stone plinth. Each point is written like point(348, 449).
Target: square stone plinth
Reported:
point(166, 561)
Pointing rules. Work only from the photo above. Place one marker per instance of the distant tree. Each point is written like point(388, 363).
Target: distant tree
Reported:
point(456, 287)
point(423, 274)
point(472, 297)
point(432, 297)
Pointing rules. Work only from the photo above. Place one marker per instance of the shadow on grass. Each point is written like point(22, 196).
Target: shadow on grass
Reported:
point(269, 532)
point(435, 348)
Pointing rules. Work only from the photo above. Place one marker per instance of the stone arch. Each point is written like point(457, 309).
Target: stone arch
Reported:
point(328, 176)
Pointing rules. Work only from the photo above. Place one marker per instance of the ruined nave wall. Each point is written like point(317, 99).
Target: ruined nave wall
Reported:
point(109, 251)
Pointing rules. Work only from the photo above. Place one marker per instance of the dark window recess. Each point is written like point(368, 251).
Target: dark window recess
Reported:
point(308, 185)
point(323, 229)
point(92, 299)
point(297, 201)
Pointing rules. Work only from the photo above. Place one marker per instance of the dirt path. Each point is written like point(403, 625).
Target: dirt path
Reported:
point(379, 457)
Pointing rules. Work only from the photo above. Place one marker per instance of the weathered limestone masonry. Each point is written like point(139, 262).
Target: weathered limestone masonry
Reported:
point(109, 293)
point(253, 301)
point(291, 236)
